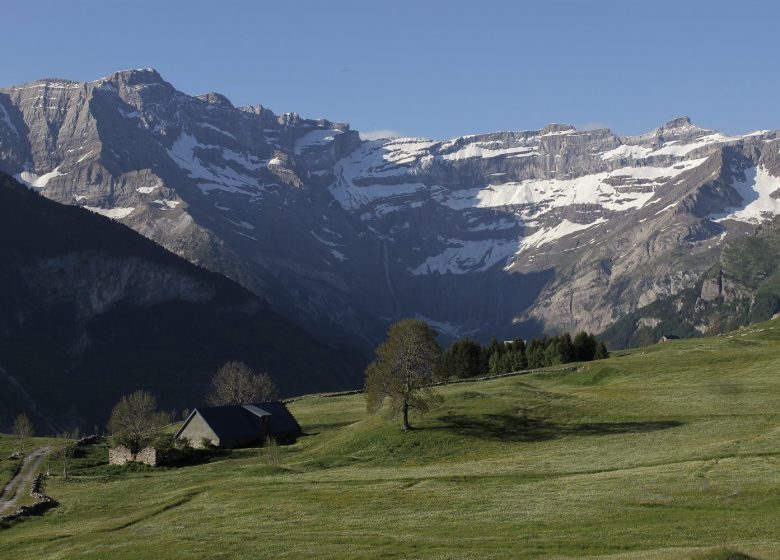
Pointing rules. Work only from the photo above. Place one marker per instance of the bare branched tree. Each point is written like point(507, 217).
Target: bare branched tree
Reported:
point(135, 419)
point(403, 370)
point(23, 429)
point(237, 383)
point(66, 449)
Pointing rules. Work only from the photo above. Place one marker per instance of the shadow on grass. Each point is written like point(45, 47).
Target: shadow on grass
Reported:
point(506, 427)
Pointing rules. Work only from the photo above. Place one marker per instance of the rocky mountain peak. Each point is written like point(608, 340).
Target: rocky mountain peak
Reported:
point(678, 122)
point(54, 83)
point(557, 127)
point(217, 99)
point(680, 127)
point(137, 76)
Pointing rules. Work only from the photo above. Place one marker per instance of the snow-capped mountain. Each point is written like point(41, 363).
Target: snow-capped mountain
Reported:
point(509, 233)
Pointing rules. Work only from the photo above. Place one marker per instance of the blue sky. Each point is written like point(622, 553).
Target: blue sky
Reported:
point(428, 68)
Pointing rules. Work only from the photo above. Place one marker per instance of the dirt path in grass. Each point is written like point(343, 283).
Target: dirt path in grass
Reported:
point(15, 489)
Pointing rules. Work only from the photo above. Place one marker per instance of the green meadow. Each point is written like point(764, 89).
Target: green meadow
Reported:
point(668, 452)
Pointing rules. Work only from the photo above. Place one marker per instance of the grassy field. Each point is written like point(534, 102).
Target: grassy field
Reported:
point(671, 452)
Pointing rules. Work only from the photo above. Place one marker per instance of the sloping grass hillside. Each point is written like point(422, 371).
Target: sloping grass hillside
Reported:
point(670, 452)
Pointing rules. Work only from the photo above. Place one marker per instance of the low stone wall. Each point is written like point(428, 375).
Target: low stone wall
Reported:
point(440, 383)
point(42, 503)
point(121, 455)
point(89, 440)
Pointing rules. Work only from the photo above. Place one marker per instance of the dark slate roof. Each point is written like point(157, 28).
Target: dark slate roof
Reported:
point(282, 420)
point(242, 421)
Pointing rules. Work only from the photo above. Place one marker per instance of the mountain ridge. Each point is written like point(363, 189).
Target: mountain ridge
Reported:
point(509, 233)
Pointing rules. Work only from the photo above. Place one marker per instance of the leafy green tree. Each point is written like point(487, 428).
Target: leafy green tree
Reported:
point(535, 353)
point(462, 359)
point(584, 347)
point(551, 355)
point(519, 360)
point(403, 370)
point(601, 351)
point(515, 361)
point(495, 347)
point(496, 363)
point(135, 420)
point(23, 429)
point(565, 347)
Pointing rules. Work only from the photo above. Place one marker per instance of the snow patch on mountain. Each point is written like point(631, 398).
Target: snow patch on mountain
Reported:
point(316, 138)
point(212, 127)
point(760, 192)
point(626, 151)
point(489, 150)
point(166, 204)
point(622, 189)
point(444, 327)
point(214, 177)
point(678, 149)
point(114, 213)
point(339, 255)
point(463, 256)
point(323, 241)
point(547, 235)
point(38, 181)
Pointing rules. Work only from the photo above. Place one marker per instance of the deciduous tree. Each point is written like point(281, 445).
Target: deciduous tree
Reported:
point(23, 429)
point(237, 383)
point(135, 419)
point(403, 370)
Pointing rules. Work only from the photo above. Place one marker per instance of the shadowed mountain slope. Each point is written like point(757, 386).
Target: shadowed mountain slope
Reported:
point(90, 310)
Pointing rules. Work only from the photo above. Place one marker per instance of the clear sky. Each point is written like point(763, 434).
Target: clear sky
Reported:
point(425, 67)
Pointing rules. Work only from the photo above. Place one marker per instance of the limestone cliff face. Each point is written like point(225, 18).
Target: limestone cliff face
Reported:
point(740, 288)
point(508, 233)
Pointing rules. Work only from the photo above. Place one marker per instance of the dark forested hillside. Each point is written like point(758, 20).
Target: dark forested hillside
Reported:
point(90, 310)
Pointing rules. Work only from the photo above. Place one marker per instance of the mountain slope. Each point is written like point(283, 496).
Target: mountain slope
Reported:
point(509, 233)
point(743, 287)
point(90, 310)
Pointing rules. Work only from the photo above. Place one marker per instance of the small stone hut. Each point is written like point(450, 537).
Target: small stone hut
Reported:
point(238, 425)
point(121, 455)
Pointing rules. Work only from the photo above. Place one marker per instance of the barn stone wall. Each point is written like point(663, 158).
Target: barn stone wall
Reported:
point(197, 431)
point(121, 455)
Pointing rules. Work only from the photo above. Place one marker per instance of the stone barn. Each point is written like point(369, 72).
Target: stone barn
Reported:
point(238, 425)
point(121, 455)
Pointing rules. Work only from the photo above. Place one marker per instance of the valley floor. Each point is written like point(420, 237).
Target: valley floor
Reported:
point(669, 452)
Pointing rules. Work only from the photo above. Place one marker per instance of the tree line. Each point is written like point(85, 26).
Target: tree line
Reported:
point(468, 358)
